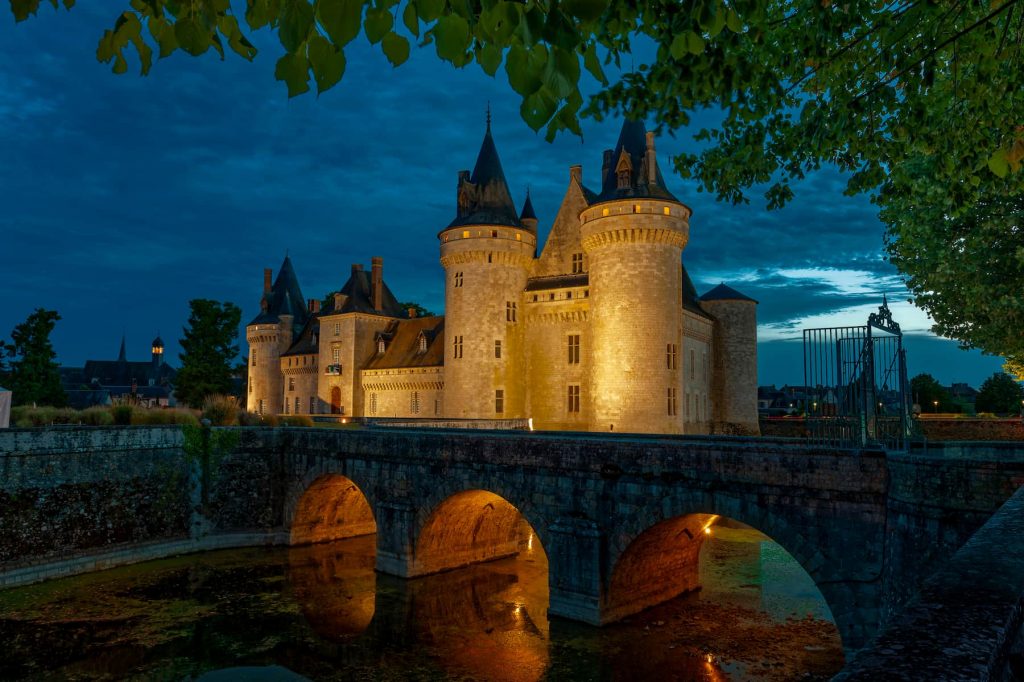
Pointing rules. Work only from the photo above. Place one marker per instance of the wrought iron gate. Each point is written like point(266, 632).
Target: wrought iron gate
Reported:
point(856, 390)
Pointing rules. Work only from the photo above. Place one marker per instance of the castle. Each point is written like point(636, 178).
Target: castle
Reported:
point(604, 331)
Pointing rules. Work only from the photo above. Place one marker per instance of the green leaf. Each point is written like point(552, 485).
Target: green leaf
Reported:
point(524, 68)
point(396, 48)
point(538, 107)
point(411, 20)
point(296, 23)
point(593, 64)
point(562, 72)
point(489, 57)
point(191, 36)
point(428, 10)
point(998, 163)
point(452, 37)
point(378, 23)
point(342, 19)
point(732, 20)
point(585, 10)
point(293, 69)
point(120, 65)
point(327, 62)
point(679, 45)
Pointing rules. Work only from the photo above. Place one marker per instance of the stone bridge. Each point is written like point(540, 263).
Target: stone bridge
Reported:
point(621, 518)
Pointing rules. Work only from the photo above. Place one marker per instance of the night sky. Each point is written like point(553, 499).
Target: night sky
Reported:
point(124, 196)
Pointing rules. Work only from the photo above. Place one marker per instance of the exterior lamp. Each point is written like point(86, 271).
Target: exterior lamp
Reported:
point(936, 404)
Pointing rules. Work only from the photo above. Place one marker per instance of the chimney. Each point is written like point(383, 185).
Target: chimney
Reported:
point(576, 173)
point(314, 305)
point(606, 165)
point(339, 301)
point(652, 160)
point(412, 313)
point(268, 275)
point(377, 282)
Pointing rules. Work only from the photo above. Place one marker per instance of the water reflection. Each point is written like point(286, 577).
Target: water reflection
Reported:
point(320, 612)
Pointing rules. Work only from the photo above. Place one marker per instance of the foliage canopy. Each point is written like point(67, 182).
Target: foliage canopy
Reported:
point(926, 391)
point(1000, 393)
point(33, 376)
point(210, 348)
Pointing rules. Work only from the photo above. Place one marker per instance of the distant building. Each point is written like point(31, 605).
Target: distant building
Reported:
point(150, 382)
point(602, 331)
point(962, 393)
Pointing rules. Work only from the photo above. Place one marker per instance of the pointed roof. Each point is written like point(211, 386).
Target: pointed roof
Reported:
point(121, 356)
point(633, 143)
point(284, 298)
point(158, 341)
point(484, 198)
point(724, 292)
point(358, 291)
point(528, 213)
point(690, 298)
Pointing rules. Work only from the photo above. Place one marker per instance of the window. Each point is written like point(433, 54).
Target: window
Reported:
point(465, 234)
point(693, 363)
point(672, 355)
point(667, 211)
point(312, 404)
point(313, 340)
point(286, 405)
point(490, 257)
point(574, 399)
point(437, 407)
point(577, 263)
point(423, 343)
point(414, 403)
point(291, 383)
point(336, 356)
point(252, 355)
point(672, 409)
point(510, 311)
point(337, 328)
point(380, 346)
point(636, 208)
point(250, 388)
point(704, 366)
point(373, 403)
point(497, 348)
point(574, 349)
point(458, 280)
point(624, 178)
point(457, 347)
point(262, 406)
point(499, 401)
point(519, 237)
point(297, 404)
point(494, 233)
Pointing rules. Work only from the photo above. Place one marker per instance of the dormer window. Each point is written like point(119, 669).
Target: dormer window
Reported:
point(380, 346)
point(423, 343)
point(623, 170)
point(624, 179)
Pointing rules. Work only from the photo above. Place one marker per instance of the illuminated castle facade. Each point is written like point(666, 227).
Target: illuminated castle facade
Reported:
point(603, 331)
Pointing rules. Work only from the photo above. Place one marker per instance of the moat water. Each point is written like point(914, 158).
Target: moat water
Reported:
point(322, 613)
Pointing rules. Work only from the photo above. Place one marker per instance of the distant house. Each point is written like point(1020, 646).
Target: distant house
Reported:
point(961, 392)
point(99, 382)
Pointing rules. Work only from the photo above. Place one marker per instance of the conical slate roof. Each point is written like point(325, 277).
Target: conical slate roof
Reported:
point(284, 298)
point(633, 141)
point(158, 342)
point(528, 213)
point(484, 198)
point(723, 292)
point(121, 356)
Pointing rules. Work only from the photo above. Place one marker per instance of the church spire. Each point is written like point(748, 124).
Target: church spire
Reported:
point(121, 357)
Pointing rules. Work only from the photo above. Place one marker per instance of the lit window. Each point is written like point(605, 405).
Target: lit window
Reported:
point(497, 348)
point(465, 234)
point(574, 399)
point(672, 409)
point(423, 343)
point(499, 401)
point(604, 212)
point(636, 208)
point(380, 346)
point(519, 237)
point(667, 211)
point(577, 263)
point(574, 349)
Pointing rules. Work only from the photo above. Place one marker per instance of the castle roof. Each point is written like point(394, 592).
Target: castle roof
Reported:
point(483, 197)
point(723, 292)
point(402, 347)
point(690, 298)
point(306, 343)
point(528, 212)
point(359, 297)
point(158, 342)
point(284, 298)
point(631, 149)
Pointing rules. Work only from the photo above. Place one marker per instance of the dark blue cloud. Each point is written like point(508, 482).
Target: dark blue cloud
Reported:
point(126, 196)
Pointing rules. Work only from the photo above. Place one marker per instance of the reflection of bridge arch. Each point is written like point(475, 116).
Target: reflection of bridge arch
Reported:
point(656, 552)
point(329, 507)
point(457, 527)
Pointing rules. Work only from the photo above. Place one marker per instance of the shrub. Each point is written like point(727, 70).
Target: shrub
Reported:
point(270, 420)
point(122, 414)
point(96, 416)
point(221, 410)
point(296, 420)
point(246, 418)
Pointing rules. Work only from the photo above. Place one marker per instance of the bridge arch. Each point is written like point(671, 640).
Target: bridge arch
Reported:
point(458, 526)
point(328, 506)
point(645, 568)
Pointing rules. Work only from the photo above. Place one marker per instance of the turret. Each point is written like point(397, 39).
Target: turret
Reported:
point(158, 351)
point(528, 217)
point(486, 252)
point(283, 314)
point(634, 234)
point(734, 361)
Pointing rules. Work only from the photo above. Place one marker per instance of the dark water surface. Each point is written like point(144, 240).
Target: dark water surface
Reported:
point(321, 612)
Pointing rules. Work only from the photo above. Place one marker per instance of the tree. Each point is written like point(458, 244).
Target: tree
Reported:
point(209, 351)
point(914, 100)
point(1015, 369)
point(33, 376)
point(926, 391)
point(420, 310)
point(1000, 393)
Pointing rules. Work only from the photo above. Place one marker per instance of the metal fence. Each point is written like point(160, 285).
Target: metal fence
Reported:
point(856, 390)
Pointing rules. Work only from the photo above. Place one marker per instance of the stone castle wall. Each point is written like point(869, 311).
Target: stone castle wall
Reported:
point(734, 390)
point(413, 392)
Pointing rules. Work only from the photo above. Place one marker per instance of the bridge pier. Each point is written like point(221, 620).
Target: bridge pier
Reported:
point(396, 520)
point(574, 569)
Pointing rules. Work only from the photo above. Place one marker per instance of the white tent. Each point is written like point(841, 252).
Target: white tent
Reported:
point(5, 408)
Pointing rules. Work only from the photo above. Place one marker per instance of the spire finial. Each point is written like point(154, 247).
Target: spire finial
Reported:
point(488, 115)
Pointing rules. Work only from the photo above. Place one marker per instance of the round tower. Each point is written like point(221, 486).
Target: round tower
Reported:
point(734, 361)
point(486, 253)
point(282, 316)
point(633, 235)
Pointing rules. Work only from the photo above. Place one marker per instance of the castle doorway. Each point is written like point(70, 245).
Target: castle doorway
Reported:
point(335, 400)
